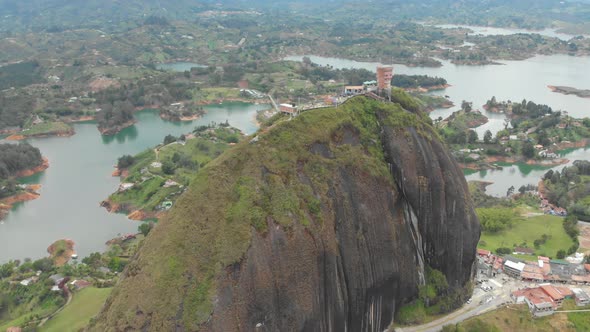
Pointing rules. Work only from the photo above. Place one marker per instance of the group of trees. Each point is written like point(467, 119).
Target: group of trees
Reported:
point(416, 81)
point(315, 73)
point(570, 188)
point(457, 130)
point(125, 161)
point(495, 219)
point(117, 113)
point(20, 74)
point(118, 103)
point(530, 109)
point(15, 110)
point(18, 157)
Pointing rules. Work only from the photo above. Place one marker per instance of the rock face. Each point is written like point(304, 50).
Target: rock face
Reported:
point(325, 223)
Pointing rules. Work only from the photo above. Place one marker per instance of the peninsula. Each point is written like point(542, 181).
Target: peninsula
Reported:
point(566, 90)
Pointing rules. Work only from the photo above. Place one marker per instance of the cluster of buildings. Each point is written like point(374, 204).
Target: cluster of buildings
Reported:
point(552, 274)
point(544, 270)
point(383, 82)
point(549, 208)
point(545, 299)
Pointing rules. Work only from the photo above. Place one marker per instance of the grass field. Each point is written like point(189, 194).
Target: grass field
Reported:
point(85, 305)
point(518, 318)
point(40, 312)
point(212, 94)
point(47, 128)
point(526, 231)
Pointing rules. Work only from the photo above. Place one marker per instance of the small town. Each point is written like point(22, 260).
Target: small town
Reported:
point(542, 285)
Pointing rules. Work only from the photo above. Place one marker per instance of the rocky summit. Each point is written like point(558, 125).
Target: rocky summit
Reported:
point(327, 221)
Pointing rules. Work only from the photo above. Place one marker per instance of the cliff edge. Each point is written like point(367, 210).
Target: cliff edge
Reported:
point(325, 222)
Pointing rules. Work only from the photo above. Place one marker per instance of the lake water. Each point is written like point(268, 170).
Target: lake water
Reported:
point(521, 174)
point(515, 80)
point(79, 175)
point(491, 31)
point(179, 66)
point(79, 178)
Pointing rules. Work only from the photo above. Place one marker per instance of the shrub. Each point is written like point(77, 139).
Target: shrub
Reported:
point(413, 313)
point(169, 139)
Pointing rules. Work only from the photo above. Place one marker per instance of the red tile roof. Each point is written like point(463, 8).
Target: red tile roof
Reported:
point(587, 267)
point(552, 292)
point(564, 291)
point(537, 296)
point(483, 252)
point(498, 264)
point(585, 278)
point(532, 276)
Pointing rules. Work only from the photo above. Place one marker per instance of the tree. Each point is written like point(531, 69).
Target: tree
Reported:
point(125, 161)
point(466, 106)
point(169, 139)
point(522, 190)
point(145, 228)
point(510, 191)
point(7, 269)
point(560, 254)
point(487, 137)
point(43, 264)
point(543, 138)
point(115, 264)
point(528, 150)
point(93, 260)
point(472, 136)
point(168, 167)
point(548, 175)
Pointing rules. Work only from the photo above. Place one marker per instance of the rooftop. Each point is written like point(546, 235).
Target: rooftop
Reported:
point(483, 252)
point(538, 297)
point(517, 266)
point(532, 276)
point(552, 292)
point(585, 278)
point(580, 294)
point(524, 250)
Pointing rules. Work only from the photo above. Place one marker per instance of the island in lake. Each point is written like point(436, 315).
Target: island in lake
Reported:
point(566, 90)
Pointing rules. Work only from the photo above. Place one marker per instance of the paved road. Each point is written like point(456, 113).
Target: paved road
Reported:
point(479, 305)
point(468, 311)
